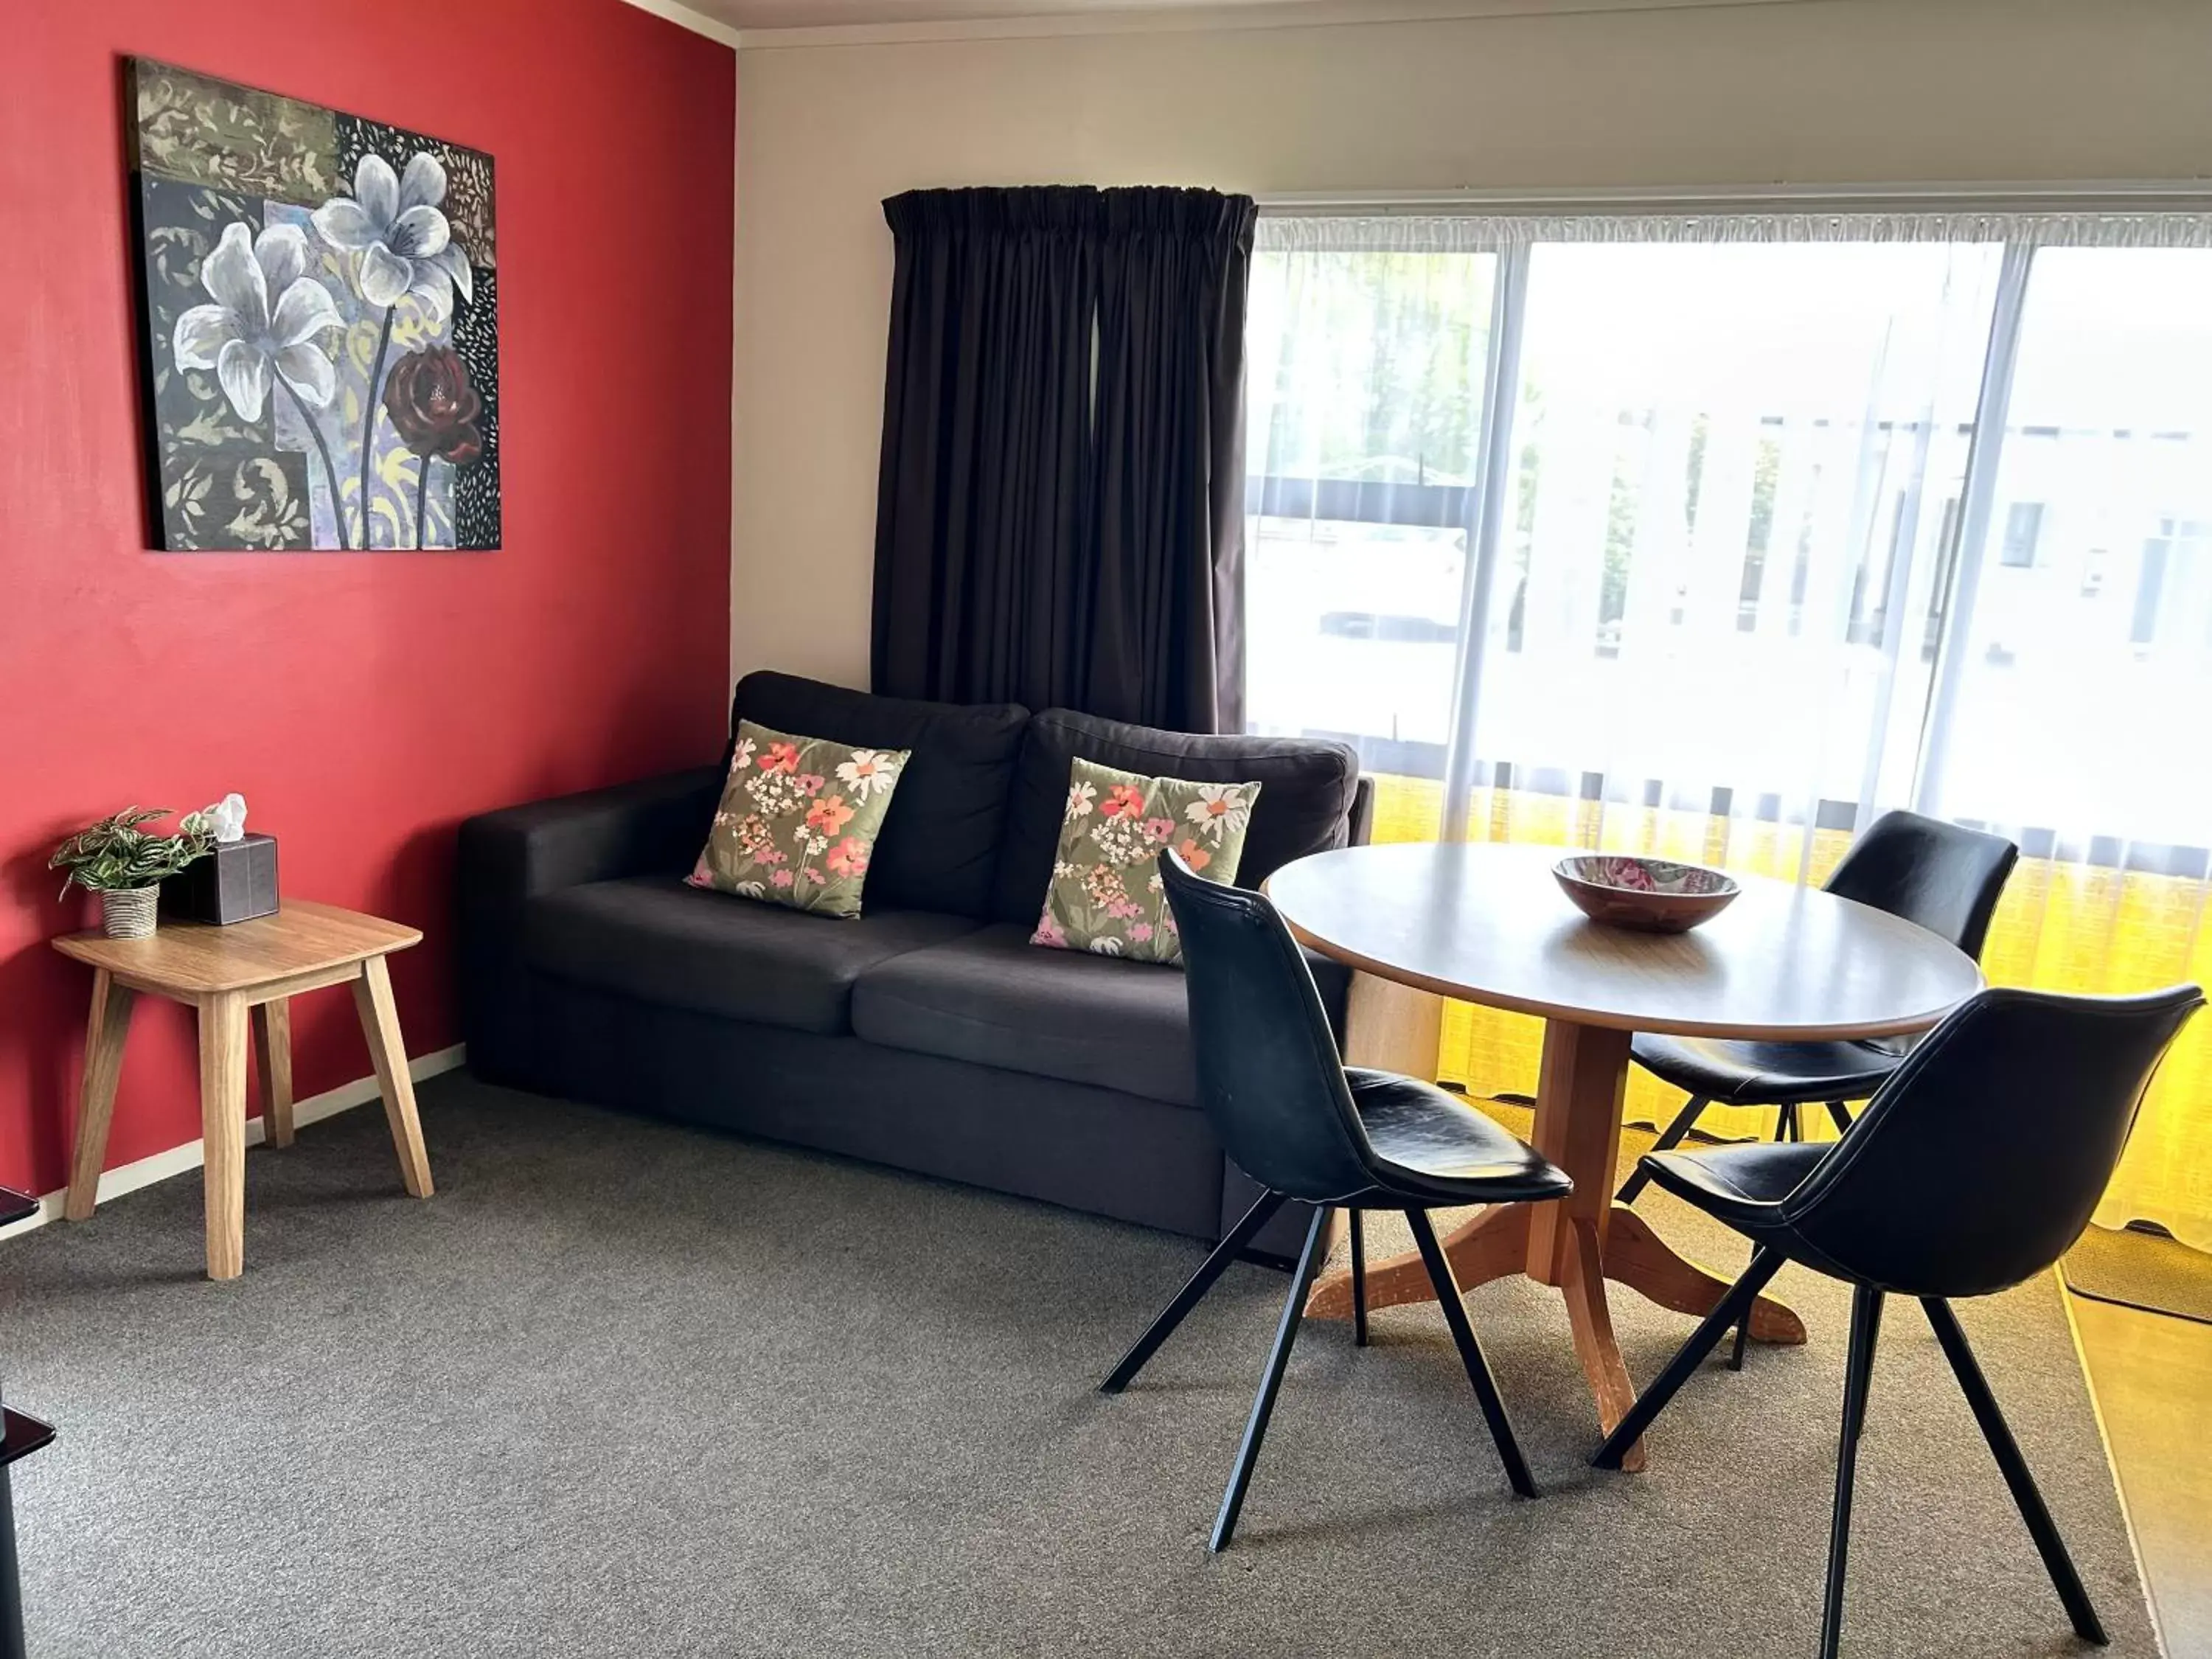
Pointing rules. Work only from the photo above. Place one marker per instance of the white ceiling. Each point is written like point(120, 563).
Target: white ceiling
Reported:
point(753, 14)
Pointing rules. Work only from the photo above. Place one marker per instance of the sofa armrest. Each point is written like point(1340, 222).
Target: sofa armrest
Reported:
point(1363, 812)
point(651, 827)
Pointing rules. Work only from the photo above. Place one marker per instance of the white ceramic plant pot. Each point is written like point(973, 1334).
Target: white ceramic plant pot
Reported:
point(128, 912)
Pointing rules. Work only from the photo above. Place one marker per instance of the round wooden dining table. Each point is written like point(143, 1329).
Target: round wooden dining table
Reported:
point(1487, 923)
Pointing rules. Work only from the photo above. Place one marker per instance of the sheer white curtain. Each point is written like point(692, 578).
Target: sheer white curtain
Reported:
point(1364, 384)
point(1733, 465)
point(1719, 536)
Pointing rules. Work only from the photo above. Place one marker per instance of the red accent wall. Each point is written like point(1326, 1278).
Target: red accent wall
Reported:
point(364, 703)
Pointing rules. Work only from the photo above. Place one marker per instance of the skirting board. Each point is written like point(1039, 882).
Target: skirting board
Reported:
point(182, 1160)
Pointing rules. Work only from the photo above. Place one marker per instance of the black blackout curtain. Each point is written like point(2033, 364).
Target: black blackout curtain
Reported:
point(1059, 514)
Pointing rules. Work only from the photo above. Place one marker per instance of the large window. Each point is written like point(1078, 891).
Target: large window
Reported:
point(1715, 538)
point(1772, 522)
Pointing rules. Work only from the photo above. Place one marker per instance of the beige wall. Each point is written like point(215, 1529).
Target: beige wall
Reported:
point(1840, 91)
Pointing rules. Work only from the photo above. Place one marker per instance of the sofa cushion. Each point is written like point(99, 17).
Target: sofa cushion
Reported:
point(799, 821)
point(1106, 894)
point(1305, 805)
point(654, 938)
point(993, 999)
point(939, 844)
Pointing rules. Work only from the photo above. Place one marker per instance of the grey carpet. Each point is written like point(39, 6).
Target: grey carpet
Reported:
point(623, 1387)
point(2142, 1270)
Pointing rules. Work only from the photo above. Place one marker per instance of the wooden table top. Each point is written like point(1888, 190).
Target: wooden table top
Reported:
point(194, 958)
point(1487, 923)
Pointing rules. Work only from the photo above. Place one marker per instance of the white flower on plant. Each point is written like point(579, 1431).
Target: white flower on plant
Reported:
point(869, 770)
point(266, 314)
point(397, 227)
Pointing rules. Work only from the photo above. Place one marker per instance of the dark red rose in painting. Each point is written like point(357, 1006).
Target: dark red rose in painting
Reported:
point(433, 406)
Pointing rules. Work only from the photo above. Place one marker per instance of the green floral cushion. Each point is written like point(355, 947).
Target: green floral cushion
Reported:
point(1106, 893)
point(798, 821)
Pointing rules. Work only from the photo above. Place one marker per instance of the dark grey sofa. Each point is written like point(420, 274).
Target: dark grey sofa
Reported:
point(929, 1034)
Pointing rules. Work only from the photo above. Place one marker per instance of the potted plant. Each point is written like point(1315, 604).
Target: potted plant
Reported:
point(127, 867)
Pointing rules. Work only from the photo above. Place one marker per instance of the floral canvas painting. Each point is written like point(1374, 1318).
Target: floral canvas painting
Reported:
point(321, 307)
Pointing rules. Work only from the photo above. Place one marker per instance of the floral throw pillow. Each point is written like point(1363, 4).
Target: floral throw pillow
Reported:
point(798, 821)
point(1106, 893)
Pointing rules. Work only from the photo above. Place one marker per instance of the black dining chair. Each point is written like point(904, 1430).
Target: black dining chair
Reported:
point(1937, 875)
point(1974, 1168)
point(1302, 1125)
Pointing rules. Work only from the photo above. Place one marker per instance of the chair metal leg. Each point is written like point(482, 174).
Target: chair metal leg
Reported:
point(1358, 1278)
point(1787, 1127)
point(1669, 1138)
point(1271, 1380)
point(1858, 1374)
point(11, 1583)
point(1841, 1115)
point(1193, 1292)
point(2040, 1526)
point(1766, 1262)
point(1470, 1353)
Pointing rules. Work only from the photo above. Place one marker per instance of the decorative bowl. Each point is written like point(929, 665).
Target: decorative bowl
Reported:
point(1652, 896)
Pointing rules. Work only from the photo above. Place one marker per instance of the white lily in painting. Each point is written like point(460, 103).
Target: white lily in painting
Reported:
point(395, 224)
point(266, 314)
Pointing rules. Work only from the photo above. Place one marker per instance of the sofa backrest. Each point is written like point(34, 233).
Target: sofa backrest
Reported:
point(1308, 787)
point(939, 845)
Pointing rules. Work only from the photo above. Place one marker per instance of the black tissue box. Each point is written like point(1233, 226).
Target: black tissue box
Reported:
point(237, 880)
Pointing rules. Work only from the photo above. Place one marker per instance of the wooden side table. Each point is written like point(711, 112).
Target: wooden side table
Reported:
point(226, 973)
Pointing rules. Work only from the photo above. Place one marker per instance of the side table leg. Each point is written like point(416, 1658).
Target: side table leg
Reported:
point(272, 1058)
point(222, 1128)
point(104, 1032)
point(380, 1023)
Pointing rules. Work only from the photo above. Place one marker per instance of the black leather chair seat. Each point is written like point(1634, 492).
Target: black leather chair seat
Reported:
point(994, 999)
point(1743, 1186)
point(1437, 1145)
point(1769, 1073)
point(655, 938)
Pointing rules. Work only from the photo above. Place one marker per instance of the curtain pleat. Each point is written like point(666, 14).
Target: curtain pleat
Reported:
point(1166, 641)
point(982, 578)
point(1059, 508)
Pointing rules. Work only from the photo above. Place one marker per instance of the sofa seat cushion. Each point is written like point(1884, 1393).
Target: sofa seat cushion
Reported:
point(993, 999)
point(654, 938)
point(996, 999)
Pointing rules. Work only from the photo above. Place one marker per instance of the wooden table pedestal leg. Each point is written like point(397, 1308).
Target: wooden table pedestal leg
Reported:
point(380, 1023)
point(272, 1058)
point(1639, 1258)
point(1576, 1243)
point(1579, 1089)
point(1489, 1244)
point(223, 1129)
point(104, 1032)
